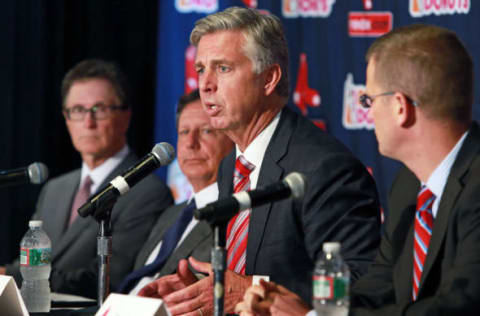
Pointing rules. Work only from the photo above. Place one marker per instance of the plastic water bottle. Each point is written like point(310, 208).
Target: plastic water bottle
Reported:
point(331, 282)
point(35, 266)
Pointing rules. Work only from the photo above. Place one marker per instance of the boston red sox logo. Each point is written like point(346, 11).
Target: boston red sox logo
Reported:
point(303, 95)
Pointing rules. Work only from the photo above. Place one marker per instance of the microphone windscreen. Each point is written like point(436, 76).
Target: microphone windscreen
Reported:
point(297, 183)
point(164, 152)
point(37, 172)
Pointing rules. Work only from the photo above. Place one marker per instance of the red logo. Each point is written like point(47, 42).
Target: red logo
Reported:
point(354, 115)
point(199, 6)
point(250, 3)
point(369, 23)
point(307, 8)
point(191, 76)
point(419, 8)
point(303, 95)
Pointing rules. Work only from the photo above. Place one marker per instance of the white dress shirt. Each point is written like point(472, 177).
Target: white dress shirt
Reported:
point(255, 151)
point(437, 180)
point(202, 198)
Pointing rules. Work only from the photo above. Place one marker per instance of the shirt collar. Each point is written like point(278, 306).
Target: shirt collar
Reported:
point(255, 151)
point(206, 195)
point(437, 180)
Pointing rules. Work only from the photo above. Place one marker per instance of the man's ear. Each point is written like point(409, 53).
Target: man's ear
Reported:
point(272, 77)
point(404, 110)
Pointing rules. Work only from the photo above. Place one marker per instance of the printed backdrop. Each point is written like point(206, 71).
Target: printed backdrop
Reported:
point(327, 41)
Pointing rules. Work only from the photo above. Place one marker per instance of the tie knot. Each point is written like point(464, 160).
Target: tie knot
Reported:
point(241, 180)
point(425, 199)
point(243, 166)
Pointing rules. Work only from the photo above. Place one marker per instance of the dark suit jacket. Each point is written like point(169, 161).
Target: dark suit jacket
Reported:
point(74, 250)
point(198, 243)
point(340, 204)
point(450, 282)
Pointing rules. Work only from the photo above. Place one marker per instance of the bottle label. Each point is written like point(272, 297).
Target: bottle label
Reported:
point(325, 287)
point(35, 256)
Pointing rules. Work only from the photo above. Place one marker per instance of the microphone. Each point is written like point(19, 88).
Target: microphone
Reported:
point(162, 154)
point(35, 173)
point(293, 185)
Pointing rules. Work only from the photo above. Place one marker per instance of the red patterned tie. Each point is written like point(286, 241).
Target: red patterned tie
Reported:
point(237, 230)
point(423, 232)
point(80, 198)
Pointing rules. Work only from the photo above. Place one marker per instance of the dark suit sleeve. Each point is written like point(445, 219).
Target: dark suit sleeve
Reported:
point(341, 205)
point(458, 272)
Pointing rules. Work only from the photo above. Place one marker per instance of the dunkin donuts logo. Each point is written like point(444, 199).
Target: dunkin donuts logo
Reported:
point(198, 6)
point(307, 8)
point(354, 115)
point(419, 8)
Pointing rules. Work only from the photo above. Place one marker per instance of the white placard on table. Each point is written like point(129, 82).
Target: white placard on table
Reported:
point(11, 302)
point(127, 305)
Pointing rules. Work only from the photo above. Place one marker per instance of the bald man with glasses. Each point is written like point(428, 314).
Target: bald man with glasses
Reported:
point(97, 110)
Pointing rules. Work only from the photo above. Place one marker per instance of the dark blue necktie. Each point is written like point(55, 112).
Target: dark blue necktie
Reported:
point(169, 243)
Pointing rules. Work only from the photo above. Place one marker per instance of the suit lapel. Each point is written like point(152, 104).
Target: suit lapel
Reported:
point(453, 187)
point(81, 224)
point(404, 268)
point(164, 222)
point(270, 172)
point(195, 237)
point(63, 204)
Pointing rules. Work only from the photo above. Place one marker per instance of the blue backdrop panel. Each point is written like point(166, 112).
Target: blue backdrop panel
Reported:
point(327, 40)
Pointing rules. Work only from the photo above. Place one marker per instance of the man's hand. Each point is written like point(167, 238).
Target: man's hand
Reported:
point(3, 270)
point(197, 299)
point(170, 283)
point(269, 298)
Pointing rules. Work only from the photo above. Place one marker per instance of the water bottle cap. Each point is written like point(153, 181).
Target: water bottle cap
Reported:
point(331, 247)
point(32, 224)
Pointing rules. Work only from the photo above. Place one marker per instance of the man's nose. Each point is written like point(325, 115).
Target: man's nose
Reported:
point(207, 82)
point(89, 119)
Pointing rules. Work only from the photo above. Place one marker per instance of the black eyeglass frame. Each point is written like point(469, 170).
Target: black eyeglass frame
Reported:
point(93, 110)
point(366, 100)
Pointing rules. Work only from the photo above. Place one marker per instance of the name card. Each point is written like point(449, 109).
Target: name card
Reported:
point(11, 302)
point(127, 305)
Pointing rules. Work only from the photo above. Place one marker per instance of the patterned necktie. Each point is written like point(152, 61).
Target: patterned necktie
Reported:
point(169, 242)
point(237, 230)
point(423, 233)
point(80, 198)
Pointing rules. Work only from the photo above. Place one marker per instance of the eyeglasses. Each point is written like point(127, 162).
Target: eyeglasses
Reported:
point(366, 101)
point(99, 112)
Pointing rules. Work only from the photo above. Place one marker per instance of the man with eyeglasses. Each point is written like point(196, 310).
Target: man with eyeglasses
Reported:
point(96, 107)
point(420, 93)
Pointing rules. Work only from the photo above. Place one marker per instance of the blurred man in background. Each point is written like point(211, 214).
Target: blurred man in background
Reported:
point(97, 108)
point(177, 235)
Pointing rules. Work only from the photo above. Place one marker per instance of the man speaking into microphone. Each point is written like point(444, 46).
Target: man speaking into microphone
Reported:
point(242, 66)
point(97, 109)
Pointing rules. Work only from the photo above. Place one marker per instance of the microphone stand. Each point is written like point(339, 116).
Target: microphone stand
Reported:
point(102, 214)
point(219, 263)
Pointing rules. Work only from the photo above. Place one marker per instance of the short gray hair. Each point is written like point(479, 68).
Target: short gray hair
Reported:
point(265, 40)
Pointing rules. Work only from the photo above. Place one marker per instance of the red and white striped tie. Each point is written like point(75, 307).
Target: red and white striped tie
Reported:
point(423, 233)
point(237, 229)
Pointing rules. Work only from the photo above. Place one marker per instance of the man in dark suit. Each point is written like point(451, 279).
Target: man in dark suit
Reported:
point(200, 149)
point(420, 94)
point(428, 262)
point(242, 63)
point(96, 107)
